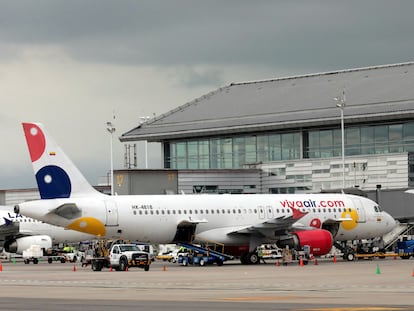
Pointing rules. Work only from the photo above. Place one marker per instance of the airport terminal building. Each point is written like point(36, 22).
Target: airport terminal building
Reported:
point(284, 135)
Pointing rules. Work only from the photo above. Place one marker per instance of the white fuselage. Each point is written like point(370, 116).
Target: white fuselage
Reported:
point(155, 218)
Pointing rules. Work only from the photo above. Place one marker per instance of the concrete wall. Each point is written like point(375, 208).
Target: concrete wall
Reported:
point(145, 182)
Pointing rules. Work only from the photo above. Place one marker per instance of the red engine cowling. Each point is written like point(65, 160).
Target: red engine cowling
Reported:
point(320, 241)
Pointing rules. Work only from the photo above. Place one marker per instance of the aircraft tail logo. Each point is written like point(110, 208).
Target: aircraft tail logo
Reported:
point(56, 175)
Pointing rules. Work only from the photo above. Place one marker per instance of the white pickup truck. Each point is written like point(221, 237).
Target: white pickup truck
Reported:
point(120, 257)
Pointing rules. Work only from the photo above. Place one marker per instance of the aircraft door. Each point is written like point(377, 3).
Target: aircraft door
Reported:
point(185, 232)
point(360, 209)
point(111, 213)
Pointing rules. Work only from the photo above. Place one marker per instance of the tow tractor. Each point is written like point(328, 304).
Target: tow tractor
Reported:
point(405, 247)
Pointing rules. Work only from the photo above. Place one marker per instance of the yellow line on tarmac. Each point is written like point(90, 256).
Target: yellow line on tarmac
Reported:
point(263, 298)
point(356, 309)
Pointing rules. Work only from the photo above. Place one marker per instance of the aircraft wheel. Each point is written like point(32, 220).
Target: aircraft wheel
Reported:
point(35, 261)
point(253, 258)
point(26, 261)
point(49, 260)
point(146, 268)
point(243, 259)
point(350, 256)
point(123, 264)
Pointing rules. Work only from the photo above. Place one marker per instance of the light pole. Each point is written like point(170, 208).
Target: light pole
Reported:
point(341, 105)
point(143, 120)
point(111, 129)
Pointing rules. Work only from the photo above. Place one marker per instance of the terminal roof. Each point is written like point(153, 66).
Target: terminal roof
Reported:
point(372, 94)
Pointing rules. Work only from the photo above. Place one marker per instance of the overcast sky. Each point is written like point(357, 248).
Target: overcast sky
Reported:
point(73, 64)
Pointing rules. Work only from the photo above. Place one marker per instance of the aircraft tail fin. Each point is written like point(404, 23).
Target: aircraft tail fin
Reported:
point(56, 175)
point(7, 221)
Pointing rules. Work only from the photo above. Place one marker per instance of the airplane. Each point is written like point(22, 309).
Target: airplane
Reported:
point(239, 221)
point(18, 233)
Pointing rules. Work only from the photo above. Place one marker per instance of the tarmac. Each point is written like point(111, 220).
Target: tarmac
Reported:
point(378, 284)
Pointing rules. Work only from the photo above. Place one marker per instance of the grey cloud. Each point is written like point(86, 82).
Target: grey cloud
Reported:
point(325, 34)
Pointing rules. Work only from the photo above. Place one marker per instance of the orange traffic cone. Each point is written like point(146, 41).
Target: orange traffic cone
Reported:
point(334, 260)
point(165, 268)
point(315, 262)
point(277, 263)
point(126, 269)
point(110, 269)
point(74, 268)
point(413, 273)
point(301, 261)
point(1, 267)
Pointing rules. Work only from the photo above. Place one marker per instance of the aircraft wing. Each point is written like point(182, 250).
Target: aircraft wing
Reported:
point(277, 226)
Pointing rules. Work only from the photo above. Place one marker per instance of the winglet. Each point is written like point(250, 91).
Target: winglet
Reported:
point(56, 175)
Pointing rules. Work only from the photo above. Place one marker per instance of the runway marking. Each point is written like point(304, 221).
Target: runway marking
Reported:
point(263, 298)
point(356, 309)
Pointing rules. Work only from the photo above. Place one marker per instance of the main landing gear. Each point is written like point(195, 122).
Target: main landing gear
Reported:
point(250, 258)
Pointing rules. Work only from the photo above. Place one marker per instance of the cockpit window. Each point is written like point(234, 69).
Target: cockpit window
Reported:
point(377, 208)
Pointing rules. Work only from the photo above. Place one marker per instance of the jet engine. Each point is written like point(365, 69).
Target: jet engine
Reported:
point(320, 241)
point(20, 244)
